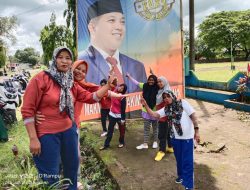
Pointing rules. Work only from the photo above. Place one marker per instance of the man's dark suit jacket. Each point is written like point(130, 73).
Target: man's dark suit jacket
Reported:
point(99, 69)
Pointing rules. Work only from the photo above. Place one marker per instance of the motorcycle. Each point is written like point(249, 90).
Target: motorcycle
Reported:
point(10, 96)
point(3, 118)
point(7, 119)
point(26, 74)
point(21, 81)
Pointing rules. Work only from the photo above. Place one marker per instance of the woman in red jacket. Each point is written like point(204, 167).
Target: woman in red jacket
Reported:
point(80, 69)
point(53, 93)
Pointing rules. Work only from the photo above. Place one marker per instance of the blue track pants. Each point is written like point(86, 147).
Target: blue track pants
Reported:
point(55, 149)
point(184, 154)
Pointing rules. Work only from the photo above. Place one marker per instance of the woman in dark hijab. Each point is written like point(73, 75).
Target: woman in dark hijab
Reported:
point(150, 90)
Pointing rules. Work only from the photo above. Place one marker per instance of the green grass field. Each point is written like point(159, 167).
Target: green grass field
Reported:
point(220, 72)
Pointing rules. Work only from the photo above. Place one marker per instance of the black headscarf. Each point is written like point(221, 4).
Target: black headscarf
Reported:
point(65, 80)
point(124, 88)
point(174, 112)
point(150, 92)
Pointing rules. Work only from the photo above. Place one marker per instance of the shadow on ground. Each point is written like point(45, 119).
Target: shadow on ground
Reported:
point(136, 169)
point(203, 178)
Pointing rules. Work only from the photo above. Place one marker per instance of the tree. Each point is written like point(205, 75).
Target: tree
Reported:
point(221, 29)
point(243, 26)
point(70, 14)
point(53, 36)
point(28, 55)
point(7, 25)
point(12, 59)
point(203, 51)
point(2, 54)
point(186, 42)
point(2, 59)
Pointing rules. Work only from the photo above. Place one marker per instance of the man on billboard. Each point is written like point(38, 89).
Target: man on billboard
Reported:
point(106, 25)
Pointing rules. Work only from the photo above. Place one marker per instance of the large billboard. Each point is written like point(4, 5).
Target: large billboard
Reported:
point(142, 35)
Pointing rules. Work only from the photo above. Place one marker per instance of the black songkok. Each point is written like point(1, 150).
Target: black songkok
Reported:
point(101, 7)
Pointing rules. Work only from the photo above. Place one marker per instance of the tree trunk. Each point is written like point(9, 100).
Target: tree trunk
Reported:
point(247, 55)
point(247, 52)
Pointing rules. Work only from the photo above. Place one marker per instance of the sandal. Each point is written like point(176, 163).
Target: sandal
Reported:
point(103, 148)
point(120, 145)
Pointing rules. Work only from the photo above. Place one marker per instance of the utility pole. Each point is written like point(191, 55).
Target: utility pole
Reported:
point(191, 34)
point(231, 50)
point(231, 54)
point(231, 33)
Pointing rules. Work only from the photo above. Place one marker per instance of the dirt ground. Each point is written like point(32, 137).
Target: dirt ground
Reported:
point(229, 169)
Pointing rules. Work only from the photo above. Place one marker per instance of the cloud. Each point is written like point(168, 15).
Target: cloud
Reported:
point(204, 8)
point(20, 4)
point(32, 17)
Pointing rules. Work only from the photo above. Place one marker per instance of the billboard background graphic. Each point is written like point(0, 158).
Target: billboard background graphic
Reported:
point(156, 43)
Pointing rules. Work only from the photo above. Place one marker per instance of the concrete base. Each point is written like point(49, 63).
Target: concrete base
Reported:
point(237, 105)
point(209, 95)
point(218, 97)
point(231, 85)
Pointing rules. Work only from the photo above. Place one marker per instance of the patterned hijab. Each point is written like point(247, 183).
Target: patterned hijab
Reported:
point(66, 82)
point(174, 112)
point(160, 91)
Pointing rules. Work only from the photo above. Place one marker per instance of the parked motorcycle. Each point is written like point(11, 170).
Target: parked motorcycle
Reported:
point(10, 96)
point(7, 119)
point(22, 80)
point(26, 74)
point(3, 116)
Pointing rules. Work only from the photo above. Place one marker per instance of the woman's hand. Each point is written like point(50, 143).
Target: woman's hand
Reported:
point(39, 117)
point(111, 71)
point(151, 71)
point(128, 75)
point(35, 146)
point(143, 102)
point(197, 136)
point(122, 122)
point(196, 128)
point(112, 80)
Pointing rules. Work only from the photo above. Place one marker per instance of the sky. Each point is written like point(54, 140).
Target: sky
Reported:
point(33, 15)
